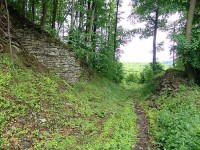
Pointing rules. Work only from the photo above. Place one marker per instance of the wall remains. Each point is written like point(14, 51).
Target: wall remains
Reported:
point(50, 53)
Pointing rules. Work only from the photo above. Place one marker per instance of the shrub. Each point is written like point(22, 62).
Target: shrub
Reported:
point(156, 67)
point(148, 73)
point(132, 77)
point(109, 68)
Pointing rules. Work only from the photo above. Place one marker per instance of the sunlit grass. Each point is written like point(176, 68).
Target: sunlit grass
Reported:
point(52, 114)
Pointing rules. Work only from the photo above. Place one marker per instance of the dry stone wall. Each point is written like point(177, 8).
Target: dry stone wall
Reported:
point(51, 54)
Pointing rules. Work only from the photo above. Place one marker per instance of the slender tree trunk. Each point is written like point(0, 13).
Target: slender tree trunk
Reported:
point(154, 38)
point(81, 17)
point(94, 40)
point(72, 23)
point(44, 13)
point(55, 5)
point(116, 23)
point(33, 10)
point(87, 20)
point(188, 67)
point(91, 23)
point(173, 48)
point(72, 14)
point(24, 7)
point(9, 36)
point(2, 4)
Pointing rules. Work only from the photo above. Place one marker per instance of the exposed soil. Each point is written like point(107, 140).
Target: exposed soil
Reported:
point(143, 136)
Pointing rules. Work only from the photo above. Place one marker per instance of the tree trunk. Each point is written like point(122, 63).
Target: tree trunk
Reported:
point(44, 13)
point(91, 23)
point(2, 4)
point(116, 22)
point(94, 40)
point(33, 10)
point(55, 5)
point(81, 17)
point(72, 23)
point(72, 14)
point(9, 36)
point(87, 20)
point(24, 6)
point(154, 38)
point(188, 67)
point(173, 49)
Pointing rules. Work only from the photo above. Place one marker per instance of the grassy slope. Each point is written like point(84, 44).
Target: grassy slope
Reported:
point(176, 123)
point(48, 113)
point(174, 120)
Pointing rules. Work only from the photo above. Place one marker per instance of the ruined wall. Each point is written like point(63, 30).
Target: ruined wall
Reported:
point(50, 53)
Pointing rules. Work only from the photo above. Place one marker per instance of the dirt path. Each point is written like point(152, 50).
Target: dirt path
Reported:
point(143, 136)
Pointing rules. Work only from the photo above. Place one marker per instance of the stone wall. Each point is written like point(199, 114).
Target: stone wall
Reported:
point(50, 53)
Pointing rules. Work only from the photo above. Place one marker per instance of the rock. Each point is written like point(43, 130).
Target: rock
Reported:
point(69, 106)
point(26, 144)
point(22, 120)
point(13, 128)
point(52, 54)
point(76, 115)
point(43, 120)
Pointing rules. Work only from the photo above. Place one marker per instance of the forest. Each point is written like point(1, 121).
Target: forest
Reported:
point(62, 85)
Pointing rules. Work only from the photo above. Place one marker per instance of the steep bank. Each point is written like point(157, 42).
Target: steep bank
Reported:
point(42, 111)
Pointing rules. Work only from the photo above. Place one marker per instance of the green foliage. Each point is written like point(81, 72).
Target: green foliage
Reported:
point(158, 67)
point(101, 62)
point(193, 48)
point(92, 43)
point(111, 69)
point(178, 120)
point(34, 106)
point(132, 77)
point(148, 73)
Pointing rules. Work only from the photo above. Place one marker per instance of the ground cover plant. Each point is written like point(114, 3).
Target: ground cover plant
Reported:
point(175, 124)
point(42, 111)
point(174, 117)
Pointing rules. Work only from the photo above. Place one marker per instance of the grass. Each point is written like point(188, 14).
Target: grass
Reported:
point(51, 114)
point(133, 67)
point(179, 119)
point(175, 121)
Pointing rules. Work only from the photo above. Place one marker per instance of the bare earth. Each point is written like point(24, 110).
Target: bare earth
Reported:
point(143, 136)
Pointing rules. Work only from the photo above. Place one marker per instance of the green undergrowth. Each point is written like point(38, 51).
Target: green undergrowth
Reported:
point(175, 119)
point(42, 111)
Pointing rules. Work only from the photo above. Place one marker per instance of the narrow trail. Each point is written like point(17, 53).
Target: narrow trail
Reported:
point(143, 123)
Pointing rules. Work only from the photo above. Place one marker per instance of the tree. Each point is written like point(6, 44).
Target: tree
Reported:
point(188, 66)
point(91, 23)
point(44, 13)
point(186, 37)
point(24, 6)
point(33, 10)
point(116, 22)
point(54, 14)
point(153, 15)
point(9, 35)
point(90, 27)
